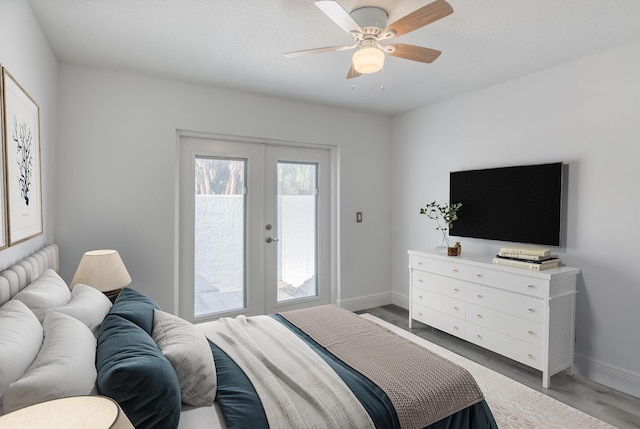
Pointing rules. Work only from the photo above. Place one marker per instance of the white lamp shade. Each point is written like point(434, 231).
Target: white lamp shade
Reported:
point(73, 412)
point(101, 269)
point(368, 60)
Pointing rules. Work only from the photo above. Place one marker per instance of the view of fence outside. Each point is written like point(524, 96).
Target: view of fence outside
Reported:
point(219, 251)
point(220, 218)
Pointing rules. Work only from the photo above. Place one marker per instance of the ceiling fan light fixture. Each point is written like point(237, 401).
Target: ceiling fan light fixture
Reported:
point(368, 59)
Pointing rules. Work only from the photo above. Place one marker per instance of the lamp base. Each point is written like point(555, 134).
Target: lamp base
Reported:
point(112, 294)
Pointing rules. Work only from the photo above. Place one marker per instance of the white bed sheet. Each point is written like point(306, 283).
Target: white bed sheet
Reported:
point(201, 417)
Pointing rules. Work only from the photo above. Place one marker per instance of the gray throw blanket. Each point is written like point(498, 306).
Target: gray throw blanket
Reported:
point(423, 386)
point(297, 388)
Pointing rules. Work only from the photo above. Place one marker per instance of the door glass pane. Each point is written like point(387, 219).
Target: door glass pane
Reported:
point(219, 272)
point(297, 245)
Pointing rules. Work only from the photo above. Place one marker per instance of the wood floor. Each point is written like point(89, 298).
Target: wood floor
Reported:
point(609, 405)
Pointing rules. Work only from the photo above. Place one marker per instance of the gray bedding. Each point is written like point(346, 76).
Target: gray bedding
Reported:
point(423, 386)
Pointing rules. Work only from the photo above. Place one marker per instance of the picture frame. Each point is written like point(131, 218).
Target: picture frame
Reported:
point(22, 169)
point(3, 200)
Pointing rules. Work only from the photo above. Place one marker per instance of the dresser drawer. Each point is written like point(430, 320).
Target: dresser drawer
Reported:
point(419, 262)
point(522, 329)
point(517, 305)
point(520, 283)
point(438, 266)
point(443, 303)
point(445, 322)
point(439, 284)
point(505, 345)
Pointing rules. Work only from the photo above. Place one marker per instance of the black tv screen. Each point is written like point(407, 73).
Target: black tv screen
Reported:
point(520, 204)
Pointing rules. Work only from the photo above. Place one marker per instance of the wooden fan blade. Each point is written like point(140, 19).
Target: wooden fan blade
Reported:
point(353, 73)
point(339, 15)
point(421, 17)
point(317, 51)
point(415, 53)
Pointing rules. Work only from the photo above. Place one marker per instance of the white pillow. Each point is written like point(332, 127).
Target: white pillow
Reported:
point(47, 291)
point(188, 351)
point(20, 340)
point(65, 365)
point(88, 305)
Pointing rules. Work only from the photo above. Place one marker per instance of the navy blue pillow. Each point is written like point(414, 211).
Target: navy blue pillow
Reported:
point(135, 307)
point(134, 372)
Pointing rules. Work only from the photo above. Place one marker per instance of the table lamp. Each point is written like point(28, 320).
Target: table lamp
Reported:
point(103, 270)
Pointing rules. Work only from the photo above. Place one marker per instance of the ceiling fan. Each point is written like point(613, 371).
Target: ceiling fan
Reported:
point(368, 27)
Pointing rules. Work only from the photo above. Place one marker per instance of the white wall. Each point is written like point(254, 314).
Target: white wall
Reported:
point(585, 113)
point(25, 53)
point(117, 172)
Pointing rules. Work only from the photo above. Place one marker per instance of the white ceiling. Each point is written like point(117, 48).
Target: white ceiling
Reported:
point(239, 44)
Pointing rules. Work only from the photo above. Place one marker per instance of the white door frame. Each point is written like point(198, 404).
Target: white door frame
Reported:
point(184, 229)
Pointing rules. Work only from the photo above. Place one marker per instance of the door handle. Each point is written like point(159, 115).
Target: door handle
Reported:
point(269, 239)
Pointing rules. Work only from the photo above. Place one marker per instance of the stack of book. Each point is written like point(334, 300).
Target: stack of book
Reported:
point(529, 258)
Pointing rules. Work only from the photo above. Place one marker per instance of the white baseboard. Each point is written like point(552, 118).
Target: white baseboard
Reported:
point(400, 299)
point(608, 375)
point(364, 302)
point(377, 300)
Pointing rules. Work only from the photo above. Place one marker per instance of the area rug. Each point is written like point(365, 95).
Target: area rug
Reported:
point(513, 404)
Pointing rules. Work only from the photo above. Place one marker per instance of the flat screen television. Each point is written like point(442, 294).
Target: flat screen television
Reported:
point(520, 204)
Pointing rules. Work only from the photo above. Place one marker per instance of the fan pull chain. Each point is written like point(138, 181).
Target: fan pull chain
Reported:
point(382, 85)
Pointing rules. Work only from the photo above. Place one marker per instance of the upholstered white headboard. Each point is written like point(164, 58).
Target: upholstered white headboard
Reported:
point(23, 272)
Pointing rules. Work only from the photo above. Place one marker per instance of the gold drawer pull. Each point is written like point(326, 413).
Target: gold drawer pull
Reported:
point(420, 263)
point(478, 336)
point(419, 296)
point(530, 332)
point(529, 355)
point(455, 289)
point(420, 281)
point(455, 327)
point(420, 314)
point(530, 286)
point(530, 310)
point(478, 275)
point(455, 270)
point(478, 296)
point(455, 308)
point(479, 316)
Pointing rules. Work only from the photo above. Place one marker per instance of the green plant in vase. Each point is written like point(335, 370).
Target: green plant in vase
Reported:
point(444, 215)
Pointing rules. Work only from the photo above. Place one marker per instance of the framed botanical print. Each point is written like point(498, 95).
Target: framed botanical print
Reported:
point(22, 161)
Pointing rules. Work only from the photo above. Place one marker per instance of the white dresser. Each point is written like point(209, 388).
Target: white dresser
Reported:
point(528, 316)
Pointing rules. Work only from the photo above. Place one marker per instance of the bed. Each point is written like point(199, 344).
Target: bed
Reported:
point(322, 367)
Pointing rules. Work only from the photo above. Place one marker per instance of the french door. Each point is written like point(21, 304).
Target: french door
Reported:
point(255, 228)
